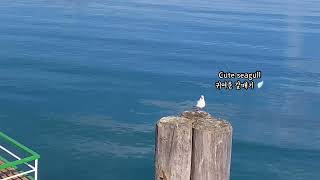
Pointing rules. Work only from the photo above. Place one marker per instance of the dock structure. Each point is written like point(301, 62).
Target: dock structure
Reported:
point(12, 170)
point(193, 146)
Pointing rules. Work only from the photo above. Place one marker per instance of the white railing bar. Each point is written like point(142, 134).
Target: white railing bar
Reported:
point(17, 157)
point(17, 175)
point(36, 169)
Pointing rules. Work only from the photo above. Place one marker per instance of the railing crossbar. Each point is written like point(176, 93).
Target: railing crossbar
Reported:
point(17, 175)
point(15, 156)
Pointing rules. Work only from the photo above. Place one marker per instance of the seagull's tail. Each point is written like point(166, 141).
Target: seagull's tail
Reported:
point(195, 108)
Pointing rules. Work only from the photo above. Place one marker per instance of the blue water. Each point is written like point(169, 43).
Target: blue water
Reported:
point(83, 82)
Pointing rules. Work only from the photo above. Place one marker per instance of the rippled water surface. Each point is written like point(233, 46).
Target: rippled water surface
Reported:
point(83, 82)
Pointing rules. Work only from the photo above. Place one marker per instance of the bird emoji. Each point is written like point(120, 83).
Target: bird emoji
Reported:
point(260, 84)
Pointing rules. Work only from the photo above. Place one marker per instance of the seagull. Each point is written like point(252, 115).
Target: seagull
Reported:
point(201, 103)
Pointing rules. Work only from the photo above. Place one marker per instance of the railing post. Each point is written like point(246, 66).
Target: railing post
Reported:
point(36, 169)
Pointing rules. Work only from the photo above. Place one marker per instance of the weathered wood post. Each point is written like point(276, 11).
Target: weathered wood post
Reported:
point(211, 147)
point(173, 148)
point(195, 146)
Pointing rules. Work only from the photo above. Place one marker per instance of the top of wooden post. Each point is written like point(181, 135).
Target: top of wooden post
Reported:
point(173, 120)
point(205, 121)
point(197, 115)
point(200, 120)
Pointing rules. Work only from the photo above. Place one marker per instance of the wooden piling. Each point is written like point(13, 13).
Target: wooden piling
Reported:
point(173, 148)
point(195, 146)
point(211, 148)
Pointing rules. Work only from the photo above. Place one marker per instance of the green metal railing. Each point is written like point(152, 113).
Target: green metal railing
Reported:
point(32, 156)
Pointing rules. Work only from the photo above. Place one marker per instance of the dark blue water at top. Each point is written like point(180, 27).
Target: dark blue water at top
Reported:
point(83, 82)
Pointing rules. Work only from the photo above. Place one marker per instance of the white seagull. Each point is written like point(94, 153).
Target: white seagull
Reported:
point(201, 103)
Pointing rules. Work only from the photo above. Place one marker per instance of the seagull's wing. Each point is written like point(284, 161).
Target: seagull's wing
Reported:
point(198, 103)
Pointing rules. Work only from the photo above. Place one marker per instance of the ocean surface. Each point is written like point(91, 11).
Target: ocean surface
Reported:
point(82, 82)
